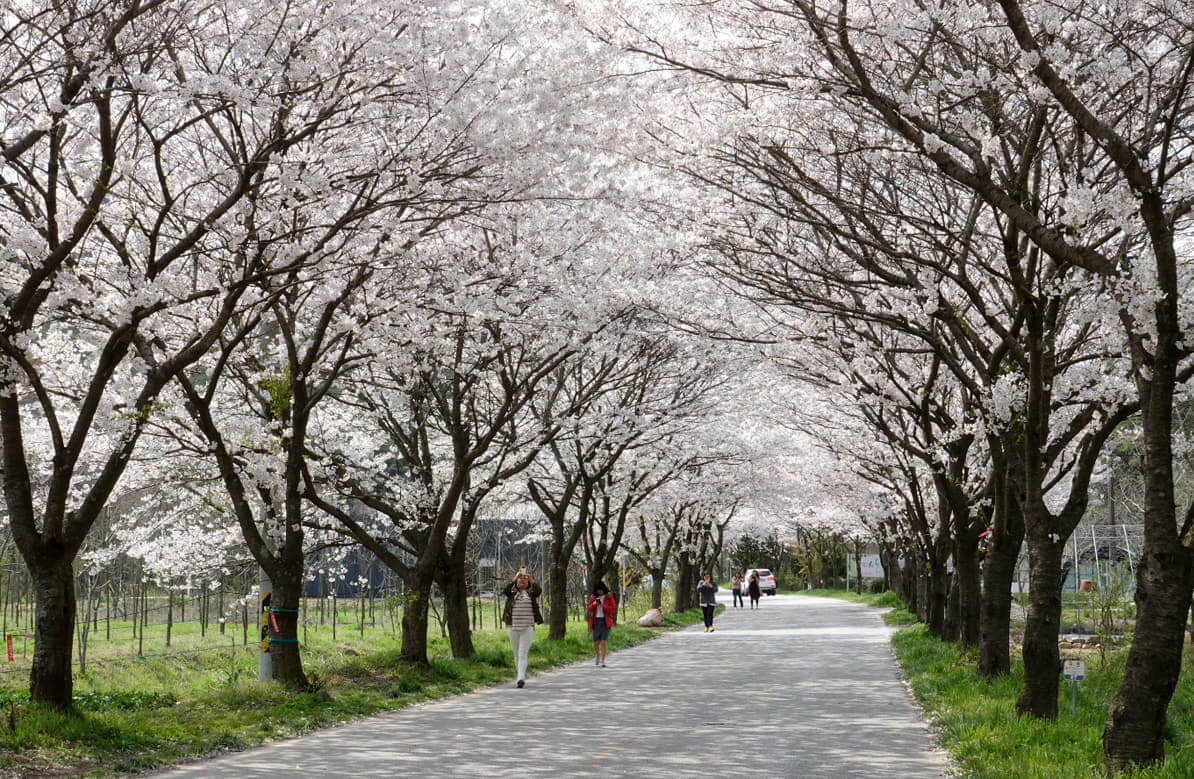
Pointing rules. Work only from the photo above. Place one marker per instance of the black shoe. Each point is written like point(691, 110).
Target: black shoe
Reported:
point(521, 683)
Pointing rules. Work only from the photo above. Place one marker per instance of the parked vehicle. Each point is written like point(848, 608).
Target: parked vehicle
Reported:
point(766, 580)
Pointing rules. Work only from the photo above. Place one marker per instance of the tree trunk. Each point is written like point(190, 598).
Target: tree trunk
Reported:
point(685, 594)
point(1042, 662)
point(936, 596)
point(914, 580)
point(557, 600)
point(891, 574)
point(456, 614)
point(858, 567)
point(1135, 730)
point(50, 679)
point(966, 577)
point(923, 590)
point(1002, 556)
point(598, 571)
point(414, 625)
point(953, 611)
point(999, 570)
point(657, 588)
point(284, 647)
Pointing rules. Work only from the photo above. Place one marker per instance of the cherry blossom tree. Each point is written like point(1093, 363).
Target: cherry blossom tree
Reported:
point(940, 81)
point(636, 395)
point(442, 431)
point(133, 154)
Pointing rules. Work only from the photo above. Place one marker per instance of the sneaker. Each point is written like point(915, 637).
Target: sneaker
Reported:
point(521, 683)
point(710, 629)
point(596, 661)
point(602, 663)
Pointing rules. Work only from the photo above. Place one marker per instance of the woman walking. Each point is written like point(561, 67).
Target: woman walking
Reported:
point(521, 615)
point(753, 590)
point(736, 588)
point(706, 594)
point(601, 610)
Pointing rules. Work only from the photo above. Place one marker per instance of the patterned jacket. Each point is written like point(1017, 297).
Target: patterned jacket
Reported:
point(508, 613)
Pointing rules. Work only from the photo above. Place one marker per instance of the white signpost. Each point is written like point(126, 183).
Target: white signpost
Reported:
point(1074, 671)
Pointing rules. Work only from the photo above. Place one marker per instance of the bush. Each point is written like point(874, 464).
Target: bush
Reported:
point(128, 700)
point(405, 686)
point(789, 581)
point(876, 586)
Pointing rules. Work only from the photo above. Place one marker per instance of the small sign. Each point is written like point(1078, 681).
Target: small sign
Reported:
point(1074, 670)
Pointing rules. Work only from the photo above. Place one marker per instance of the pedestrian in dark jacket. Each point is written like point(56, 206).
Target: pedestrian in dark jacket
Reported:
point(521, 615)
point(753, 589)
point(706, 595)
point(602, 609)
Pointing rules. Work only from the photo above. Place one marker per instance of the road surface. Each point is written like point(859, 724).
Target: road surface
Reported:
point(801, 687)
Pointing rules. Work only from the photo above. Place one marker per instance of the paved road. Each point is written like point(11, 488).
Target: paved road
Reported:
point(802, 687)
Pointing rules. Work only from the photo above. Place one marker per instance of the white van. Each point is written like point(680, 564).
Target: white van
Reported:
point(766, 581)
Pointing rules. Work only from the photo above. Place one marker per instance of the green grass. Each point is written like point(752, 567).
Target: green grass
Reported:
point(136, 715)
point(888, 600)
point(977, 720)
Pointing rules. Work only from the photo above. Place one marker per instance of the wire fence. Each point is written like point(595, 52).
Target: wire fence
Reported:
point(231, 646)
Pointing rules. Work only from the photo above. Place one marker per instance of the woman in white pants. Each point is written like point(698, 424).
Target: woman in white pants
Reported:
point(521, 615)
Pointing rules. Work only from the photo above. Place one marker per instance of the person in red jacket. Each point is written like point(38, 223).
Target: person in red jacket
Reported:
point(602, 609)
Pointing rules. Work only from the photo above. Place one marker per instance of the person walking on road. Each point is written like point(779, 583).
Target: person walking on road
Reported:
point(602, 610)
point(706, 595)
point(736, 588)
point(521, 615)
point(752, 589)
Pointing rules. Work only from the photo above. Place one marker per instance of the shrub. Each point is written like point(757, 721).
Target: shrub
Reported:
point(789, 581)
point(876, 586)
point(405, 686)
point(128, 700)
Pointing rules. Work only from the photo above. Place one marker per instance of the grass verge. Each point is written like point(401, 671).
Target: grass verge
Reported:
point(898, 614)
point(189, 706)
point(977, 722)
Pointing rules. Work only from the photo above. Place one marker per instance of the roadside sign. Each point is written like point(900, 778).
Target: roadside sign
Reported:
point(1074, 671)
